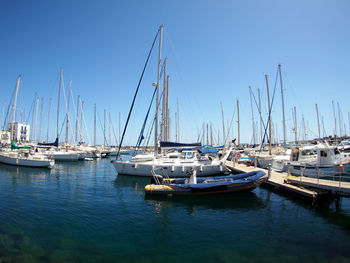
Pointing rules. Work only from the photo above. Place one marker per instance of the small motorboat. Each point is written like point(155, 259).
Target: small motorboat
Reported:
point(205, 185)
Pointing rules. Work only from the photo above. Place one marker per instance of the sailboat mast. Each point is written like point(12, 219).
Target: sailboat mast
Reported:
point(104, 127)
point(36, 117)
point(48, 120)
point(239, 135)
point(167, 120)
point(318, 122)
point(268, 100)
point(67, 123)
point(340, 121)
point(335, 121)
point(77, 120)
point(223, 124)
point(283, 114)
point(295, 125)
point(14, 108)
point(15, 101)
point(95, 124)
point(58, 103)
point(261, 126)
point(251, 106)
point(41, 117)
point(163, 127)
point(177, 121)
point(158, 82)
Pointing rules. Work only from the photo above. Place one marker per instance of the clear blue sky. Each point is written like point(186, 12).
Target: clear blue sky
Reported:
point(215, 50)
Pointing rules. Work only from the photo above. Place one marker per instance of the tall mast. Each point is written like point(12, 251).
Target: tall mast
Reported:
point(177, 121)
point(32, 133)
point(158, 82)
point(41, 117)
point(36, 117)
point(95, 124)
point(239, 135)
point(81, 121)
point(318, 122)
point(284, 118)
point(340, 121)
point(167, 122)
point(335, 121)
point(223, 124)
point(163, 127)
point(77, 120)
point(15, 101)
point(109, 128)
point(251, 105)
point(261, 126)
point(68, 120)
point(104, 127)
point(324, 131)
point(14, 108)
point(48, 120)
point(211, 134)
point(295, 125)
point(268, 100)
point(58, 103)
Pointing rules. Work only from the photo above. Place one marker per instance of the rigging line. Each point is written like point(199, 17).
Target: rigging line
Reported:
point(87, 133)
point(269, 116)
point(67, 114)
point(8, 108)
point(139, 140)
point(64, 121)
point(150, 132)
point(137, 89)
point(259, 110)
point(31, 107)
point(104, 135)
point(141, 137)
point(229, 129)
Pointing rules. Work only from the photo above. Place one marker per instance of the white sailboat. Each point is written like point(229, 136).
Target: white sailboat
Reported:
point(25, 158)
point(143, 165)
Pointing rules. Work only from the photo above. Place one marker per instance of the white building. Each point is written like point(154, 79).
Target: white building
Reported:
point(5, 137)
point(20, 131)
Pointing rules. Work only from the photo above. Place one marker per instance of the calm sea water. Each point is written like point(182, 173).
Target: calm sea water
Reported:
point(84, 212)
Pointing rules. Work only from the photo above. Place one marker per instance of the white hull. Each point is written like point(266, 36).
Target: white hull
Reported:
point(64, 157)
point(320, 172)
point(171, 170)
point(29, 162)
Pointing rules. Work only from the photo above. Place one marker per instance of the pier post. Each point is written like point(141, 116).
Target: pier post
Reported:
point(269, 171)
point(255, 162)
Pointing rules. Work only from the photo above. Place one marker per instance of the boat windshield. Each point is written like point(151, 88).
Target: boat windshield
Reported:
point(187, 155)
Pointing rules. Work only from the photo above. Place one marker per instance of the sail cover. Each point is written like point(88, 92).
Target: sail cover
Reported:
point(165, 144)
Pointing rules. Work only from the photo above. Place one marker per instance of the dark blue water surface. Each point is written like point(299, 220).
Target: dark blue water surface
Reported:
point(84, 212)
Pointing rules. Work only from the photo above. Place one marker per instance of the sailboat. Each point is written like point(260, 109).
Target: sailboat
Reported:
point(22, 155)
point(167, 166)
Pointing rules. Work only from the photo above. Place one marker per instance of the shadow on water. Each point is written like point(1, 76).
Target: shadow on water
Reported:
point(239, 200)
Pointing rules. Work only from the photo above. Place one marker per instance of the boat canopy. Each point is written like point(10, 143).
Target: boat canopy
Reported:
point(165, 144)
point(207, 150)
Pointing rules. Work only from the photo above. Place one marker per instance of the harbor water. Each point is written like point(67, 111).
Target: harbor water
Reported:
point(85, 212)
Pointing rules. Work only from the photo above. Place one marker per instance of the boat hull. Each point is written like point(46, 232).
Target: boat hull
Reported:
point(170, 170)
point(26, 162)
point(225, 186)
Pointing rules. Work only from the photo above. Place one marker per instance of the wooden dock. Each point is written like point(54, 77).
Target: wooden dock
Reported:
point(281, 181)
point(335, 187)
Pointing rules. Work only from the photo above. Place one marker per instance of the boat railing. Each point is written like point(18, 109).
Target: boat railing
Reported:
point(338, 174)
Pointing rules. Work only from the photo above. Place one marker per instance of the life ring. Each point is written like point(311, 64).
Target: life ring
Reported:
point(239, 155)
